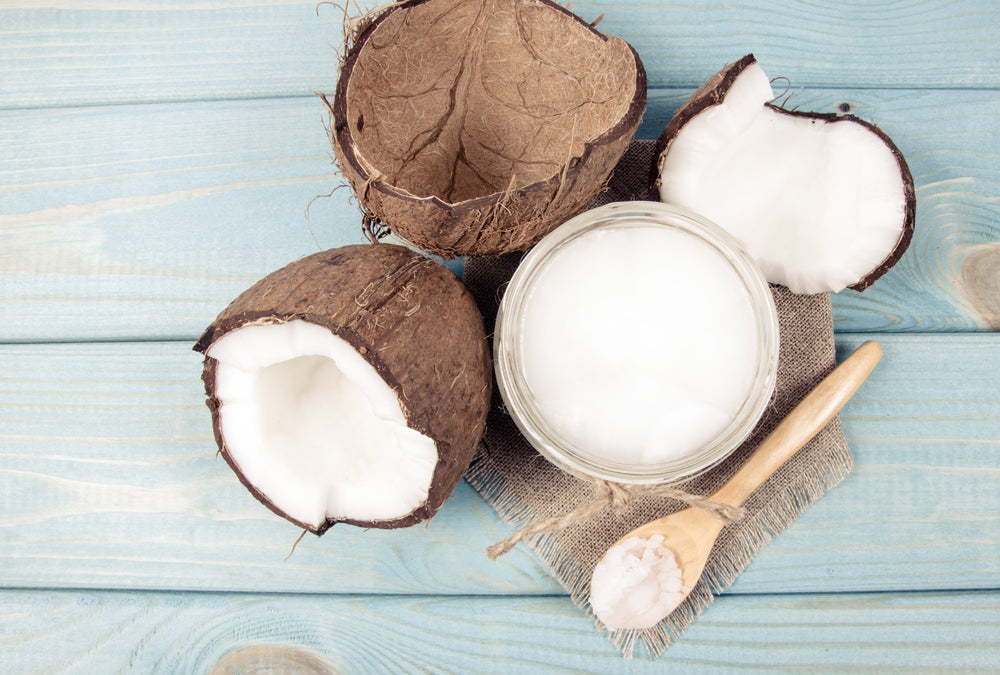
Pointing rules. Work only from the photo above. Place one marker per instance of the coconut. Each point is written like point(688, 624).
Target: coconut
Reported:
point(474, 127)
point(821, 201)
point(350, 386)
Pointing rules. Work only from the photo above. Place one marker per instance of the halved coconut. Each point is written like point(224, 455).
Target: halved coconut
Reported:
point(474, 127)
point(821, 201)
point(350, 386)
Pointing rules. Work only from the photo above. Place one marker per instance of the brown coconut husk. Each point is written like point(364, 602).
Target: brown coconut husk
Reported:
point(474, 127)
point(712, 93)
point(411, 319)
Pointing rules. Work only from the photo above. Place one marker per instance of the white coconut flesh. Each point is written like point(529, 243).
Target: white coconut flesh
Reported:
point(313, 426)
point(818, 204)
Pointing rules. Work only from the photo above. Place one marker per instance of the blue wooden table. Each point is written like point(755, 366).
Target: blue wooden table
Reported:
point(159, 156)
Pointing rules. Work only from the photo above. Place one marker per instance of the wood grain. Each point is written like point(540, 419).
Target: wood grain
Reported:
point(271, 659)
point(926, 450)
point(192, 632)
point(139, 222)
point(57, 54)
point(60, 53)
point(981, 280)
point(109, 478)
point(161, 214)
point(855, 43)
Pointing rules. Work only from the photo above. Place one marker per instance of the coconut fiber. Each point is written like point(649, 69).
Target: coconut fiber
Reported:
point(524, 487)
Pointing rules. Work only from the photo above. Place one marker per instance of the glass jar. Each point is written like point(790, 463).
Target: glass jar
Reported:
point(562, 435)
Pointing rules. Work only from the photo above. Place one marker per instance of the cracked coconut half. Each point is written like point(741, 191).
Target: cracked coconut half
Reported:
point(350, 386)
point(821, 201)
point(474, 127)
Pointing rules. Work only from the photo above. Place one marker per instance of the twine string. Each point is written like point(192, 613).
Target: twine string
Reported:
point(616, 496)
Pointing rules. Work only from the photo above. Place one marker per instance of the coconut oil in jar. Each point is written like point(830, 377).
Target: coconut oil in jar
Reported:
point(636, 343)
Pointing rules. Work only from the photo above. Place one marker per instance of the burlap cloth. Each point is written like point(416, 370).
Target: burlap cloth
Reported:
point(523, 487)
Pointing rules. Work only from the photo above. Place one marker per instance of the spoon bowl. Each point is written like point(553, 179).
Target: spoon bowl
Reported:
point(691, 533)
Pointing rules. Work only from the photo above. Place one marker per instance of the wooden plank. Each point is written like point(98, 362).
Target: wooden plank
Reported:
point(117, 51)
point(844, 44)
point(925, 434)
point(102, 632)
point(109, 478)
point(112, 480)
point(143, 222)
point(98, 53)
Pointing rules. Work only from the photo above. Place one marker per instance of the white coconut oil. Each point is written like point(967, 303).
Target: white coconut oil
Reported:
point(636, 584)
point(632, 347)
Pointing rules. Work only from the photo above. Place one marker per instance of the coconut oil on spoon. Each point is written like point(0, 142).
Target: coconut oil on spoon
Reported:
point(649, 571)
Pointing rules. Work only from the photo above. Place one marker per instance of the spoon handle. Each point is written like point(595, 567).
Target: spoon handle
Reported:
point(804, 421)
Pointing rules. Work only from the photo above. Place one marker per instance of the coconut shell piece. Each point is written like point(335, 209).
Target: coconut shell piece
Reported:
point(411, 319)
point(712, 94)
point(474, 127)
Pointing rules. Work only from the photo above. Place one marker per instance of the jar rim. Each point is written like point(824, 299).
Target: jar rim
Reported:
point(512, 385)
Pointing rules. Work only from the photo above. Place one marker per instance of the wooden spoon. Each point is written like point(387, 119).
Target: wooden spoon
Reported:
point(691, 533)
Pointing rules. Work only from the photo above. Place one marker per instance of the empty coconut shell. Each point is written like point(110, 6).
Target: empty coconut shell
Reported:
point(474, 127)
point(350, 386)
